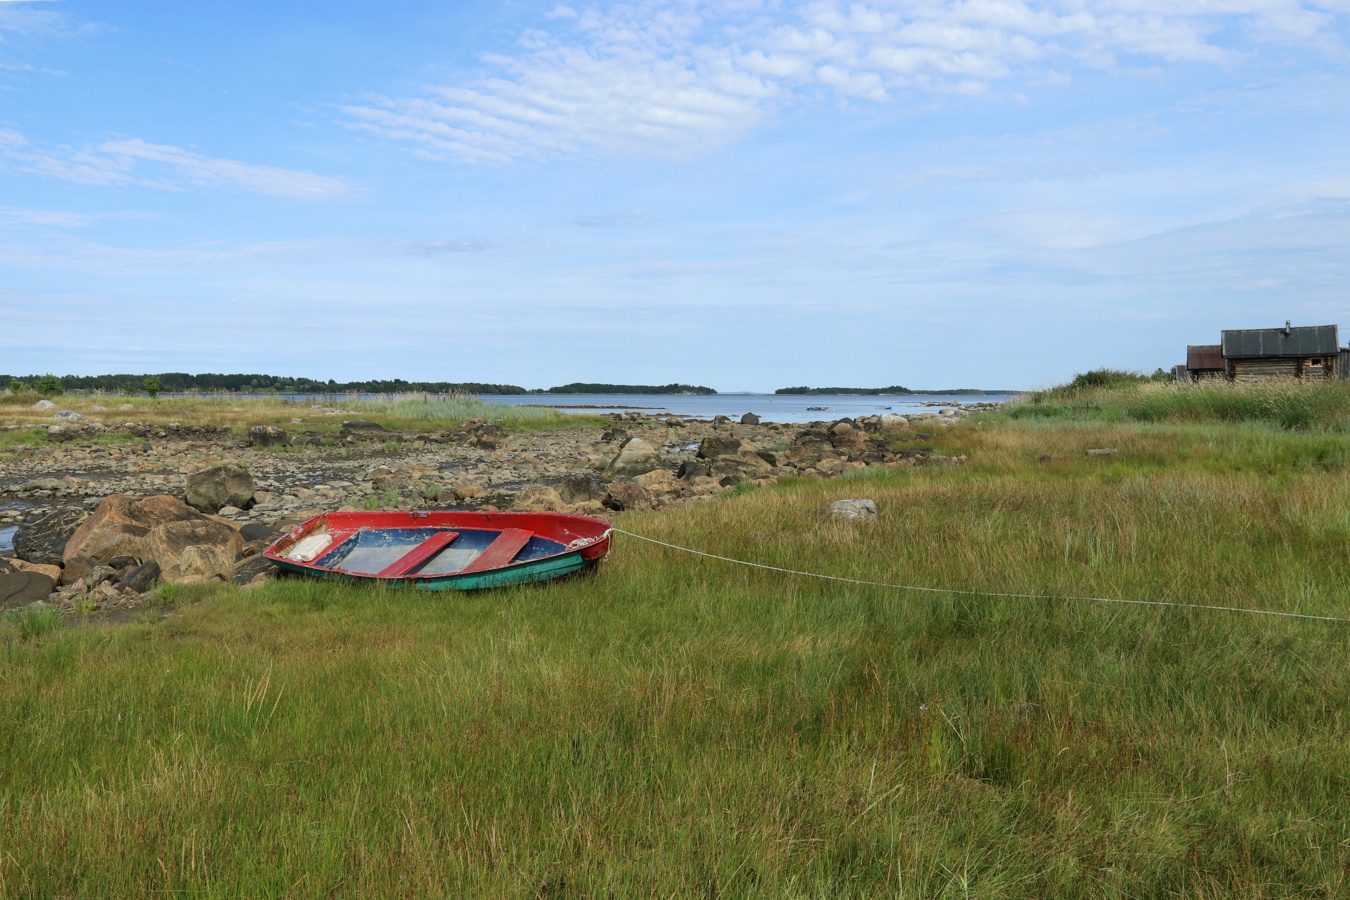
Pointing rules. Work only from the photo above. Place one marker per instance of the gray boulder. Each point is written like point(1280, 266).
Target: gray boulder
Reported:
point(213, 489)
point(44, 404)
point(850, 511)
point(718, 445)
point(140, 579)
point(635, 457)
point(749, 419)
point(893, 420)
point(70, 414)
point(21, 588)
point(746, 463)
point(248, 569)
point(43, 539)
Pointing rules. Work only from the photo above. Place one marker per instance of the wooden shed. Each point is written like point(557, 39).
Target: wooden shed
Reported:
point(1204, 362)
point(1305, 352)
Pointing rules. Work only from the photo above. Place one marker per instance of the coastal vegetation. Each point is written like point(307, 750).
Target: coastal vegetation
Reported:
point(1109, 396)
point(680, 725)
point(415, 414)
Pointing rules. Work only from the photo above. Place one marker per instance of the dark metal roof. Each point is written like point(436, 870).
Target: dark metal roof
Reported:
point(1309, 340)
point(1204, 356)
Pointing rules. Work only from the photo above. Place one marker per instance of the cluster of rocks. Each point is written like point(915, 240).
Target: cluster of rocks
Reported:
point(104, 520)
point(116, 555)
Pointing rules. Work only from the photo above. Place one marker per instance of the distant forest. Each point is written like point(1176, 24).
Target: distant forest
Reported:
point(181, 382)
point(894, 389)
point(207, 382)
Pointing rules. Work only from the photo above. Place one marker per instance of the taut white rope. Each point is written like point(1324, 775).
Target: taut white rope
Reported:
point(933, 590)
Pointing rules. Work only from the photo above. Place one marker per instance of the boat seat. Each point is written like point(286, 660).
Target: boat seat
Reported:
point(418, 555)
point(501, 551)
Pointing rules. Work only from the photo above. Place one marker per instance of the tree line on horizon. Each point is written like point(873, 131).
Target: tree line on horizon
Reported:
point(209, 382)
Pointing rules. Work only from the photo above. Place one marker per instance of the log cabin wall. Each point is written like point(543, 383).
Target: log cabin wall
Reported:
point(1259, 369)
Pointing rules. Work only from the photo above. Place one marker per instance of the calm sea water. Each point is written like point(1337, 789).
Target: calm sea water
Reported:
point(769, 407)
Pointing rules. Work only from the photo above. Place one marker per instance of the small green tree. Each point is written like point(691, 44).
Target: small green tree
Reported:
point(152, 386)
point(15, 385)
point(50, 386)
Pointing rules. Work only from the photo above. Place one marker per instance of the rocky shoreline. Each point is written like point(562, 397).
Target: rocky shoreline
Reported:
point(639, 462)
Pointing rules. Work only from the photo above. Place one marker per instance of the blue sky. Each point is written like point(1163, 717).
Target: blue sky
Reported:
point(745, 194)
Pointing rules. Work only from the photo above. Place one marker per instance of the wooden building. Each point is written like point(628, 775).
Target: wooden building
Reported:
point(1306, 352)
point(1204, 362)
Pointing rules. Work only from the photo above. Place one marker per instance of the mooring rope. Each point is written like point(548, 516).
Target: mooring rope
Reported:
point(993, 594)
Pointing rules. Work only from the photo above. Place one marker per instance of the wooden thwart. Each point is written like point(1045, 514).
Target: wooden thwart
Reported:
point(419, 554)
point(501, 551)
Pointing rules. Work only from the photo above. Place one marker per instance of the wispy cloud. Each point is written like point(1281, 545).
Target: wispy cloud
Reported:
point(678, 76)
point(138, 162)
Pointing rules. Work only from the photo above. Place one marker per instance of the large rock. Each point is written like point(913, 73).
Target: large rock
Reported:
point(161, 529)
point(43, 539)
point(749, 419)
point(718, 445)
point(140, 579)
point(627, 495)
point(893, 421)
point(268, 436)
point(580, 489)
point(746, 463)
point(213, 489)
point(21, 588)
point(848, 511)
point(44, 404)
point(636, 457)
point(52, 572)
point(248, 570)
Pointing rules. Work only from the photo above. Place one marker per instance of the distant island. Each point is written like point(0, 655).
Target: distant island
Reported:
point(578, 387)
point(893, 390)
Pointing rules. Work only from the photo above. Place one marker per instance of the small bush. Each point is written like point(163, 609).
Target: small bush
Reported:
point(50, 386)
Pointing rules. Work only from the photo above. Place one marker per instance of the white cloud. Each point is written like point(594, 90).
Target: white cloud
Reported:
point(662, 77)
point(137, 162)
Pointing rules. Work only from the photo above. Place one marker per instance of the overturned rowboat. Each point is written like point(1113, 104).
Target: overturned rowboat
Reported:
point(443, 550)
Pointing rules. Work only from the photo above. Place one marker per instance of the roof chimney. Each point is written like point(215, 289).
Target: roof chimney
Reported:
point(1286, 328)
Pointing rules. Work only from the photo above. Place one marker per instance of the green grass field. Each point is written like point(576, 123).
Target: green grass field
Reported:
point(676, 726)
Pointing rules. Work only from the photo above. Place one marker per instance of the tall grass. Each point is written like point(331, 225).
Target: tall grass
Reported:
point(679, 726)
point(1289, 404)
